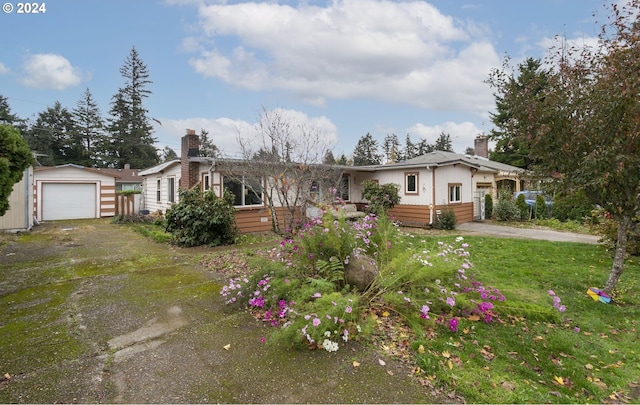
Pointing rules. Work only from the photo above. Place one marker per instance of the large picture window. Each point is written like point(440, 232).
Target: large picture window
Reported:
point(455, 193)
point(246, 190)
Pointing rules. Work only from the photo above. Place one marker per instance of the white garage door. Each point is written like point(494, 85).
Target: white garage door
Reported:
point(68, 201)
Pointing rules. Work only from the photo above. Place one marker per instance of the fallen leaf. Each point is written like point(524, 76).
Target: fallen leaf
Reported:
point(7, 376)
point(356, 364)
point(556, 393)
point(382, 363)
point(538, 338)
point(474, 318)
point(227, 347)
point(508, 386)
point(450, 365)
point(446, 354)
point(385, 314)
point(421, 349)
point(588, 366)
point(558, 380)
point(389, 372)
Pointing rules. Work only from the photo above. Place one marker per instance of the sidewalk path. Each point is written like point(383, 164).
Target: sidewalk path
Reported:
point(530, 233)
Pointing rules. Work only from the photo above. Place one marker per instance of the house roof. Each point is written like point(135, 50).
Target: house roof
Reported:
point(433, 159)
point(124, 175)
point(159, 168)
point(74, 166)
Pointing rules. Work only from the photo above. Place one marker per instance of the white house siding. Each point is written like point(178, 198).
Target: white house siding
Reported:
point(104, 204)
point(19, 216)
point(453, 174)
point(149, 188)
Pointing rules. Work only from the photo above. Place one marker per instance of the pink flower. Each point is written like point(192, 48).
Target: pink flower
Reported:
point(316, 321)
point(262, 339)
point(451, 302)
point(551, 293)
point(316, 295)
point(453, 324)
point(348, 309)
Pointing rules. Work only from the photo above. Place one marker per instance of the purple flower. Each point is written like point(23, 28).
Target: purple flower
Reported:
point(451, 302)
point(316, 295)
point(348, 309)
point(316, 321)
point(424, 312)
point(551, 293)
point(453, 324)
point(576, 329)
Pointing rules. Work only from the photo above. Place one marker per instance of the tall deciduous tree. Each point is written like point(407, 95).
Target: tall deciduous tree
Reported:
point(90, 127)
point(287, 156)
point(582, 124)
point(54, 137)
point(509, 149)
point(15, 157)
point(366, 152)
point(131, 134)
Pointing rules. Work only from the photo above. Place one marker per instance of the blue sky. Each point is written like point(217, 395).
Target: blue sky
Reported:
point(345, 67)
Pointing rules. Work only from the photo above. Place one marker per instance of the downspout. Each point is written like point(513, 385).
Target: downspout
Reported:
point(433, 195)
point(27, 213)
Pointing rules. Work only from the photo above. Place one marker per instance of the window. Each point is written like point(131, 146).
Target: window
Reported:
point(171, 189)
point(246, 190)
point(344, 191)
point(411, 183)
point(158, 190)
point(455, 193)
point(205, 182)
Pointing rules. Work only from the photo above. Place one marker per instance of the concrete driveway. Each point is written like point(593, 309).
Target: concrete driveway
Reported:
point(528, 233)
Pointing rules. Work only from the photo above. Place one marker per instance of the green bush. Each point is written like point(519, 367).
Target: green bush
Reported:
point(506, 209)
point(571, 207)
point(525, 210)
point(446, 220)
point(488, 206)
point(542, 212)
point(202, 218)
point(380, 197)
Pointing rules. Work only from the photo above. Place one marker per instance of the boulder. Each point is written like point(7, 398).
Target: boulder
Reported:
point(360, 271)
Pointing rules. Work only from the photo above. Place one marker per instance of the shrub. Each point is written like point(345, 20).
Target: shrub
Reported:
point(202, 218)
point(603, 224)
point(446, 220)
point(571, 207)
point(506, 209)
point(525, 210)
point(542, 211)
point(381, 197)
point(488, 206)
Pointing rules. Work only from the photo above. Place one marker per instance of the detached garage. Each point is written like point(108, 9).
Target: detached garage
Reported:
point(73, 192)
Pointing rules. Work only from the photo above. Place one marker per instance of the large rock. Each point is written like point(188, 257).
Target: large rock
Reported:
point(360, 271)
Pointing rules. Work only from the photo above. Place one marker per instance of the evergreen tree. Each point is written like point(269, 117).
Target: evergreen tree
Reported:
point(366, 152)
point(410, 150)
point(444, 142)
point(328, 158)
point(207, 148)
point(342, 160)
point(391, 148)
point(509, 148)
point(15, 156)
point(131, 134)
point(424, 147)
point(90, 126)
point(54, 137)
point(168, 154)
point(6, 117)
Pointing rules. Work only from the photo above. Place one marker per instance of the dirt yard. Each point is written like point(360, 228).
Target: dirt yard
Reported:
point(95, 313)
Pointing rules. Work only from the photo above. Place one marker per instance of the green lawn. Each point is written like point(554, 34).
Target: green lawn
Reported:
point(536, 354)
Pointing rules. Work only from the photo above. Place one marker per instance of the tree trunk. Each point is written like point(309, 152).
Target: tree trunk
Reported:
point(620, 254)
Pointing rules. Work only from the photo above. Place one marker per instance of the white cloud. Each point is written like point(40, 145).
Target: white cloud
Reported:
point(462, 134)
point(404, 52)
point(3, 69)
point(49, 71)
point(224, 132)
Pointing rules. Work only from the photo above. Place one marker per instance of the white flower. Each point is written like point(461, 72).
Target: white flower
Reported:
point(330, 346)
point(327, 334)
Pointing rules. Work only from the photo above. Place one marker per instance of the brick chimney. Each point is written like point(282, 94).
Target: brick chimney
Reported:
point(189, 170)
point(481, 146)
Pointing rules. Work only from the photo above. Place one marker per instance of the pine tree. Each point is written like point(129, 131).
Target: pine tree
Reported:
point(90, 126)
point(391, 147)
point(328, 158)
point(6, 117)
point(131, 134)
point(444, 142)
point(15, 156)
point(424, 147)
point(168, 154)
point(366, 152)
point(55, 138)
point(410, 150)
point(207, 147)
